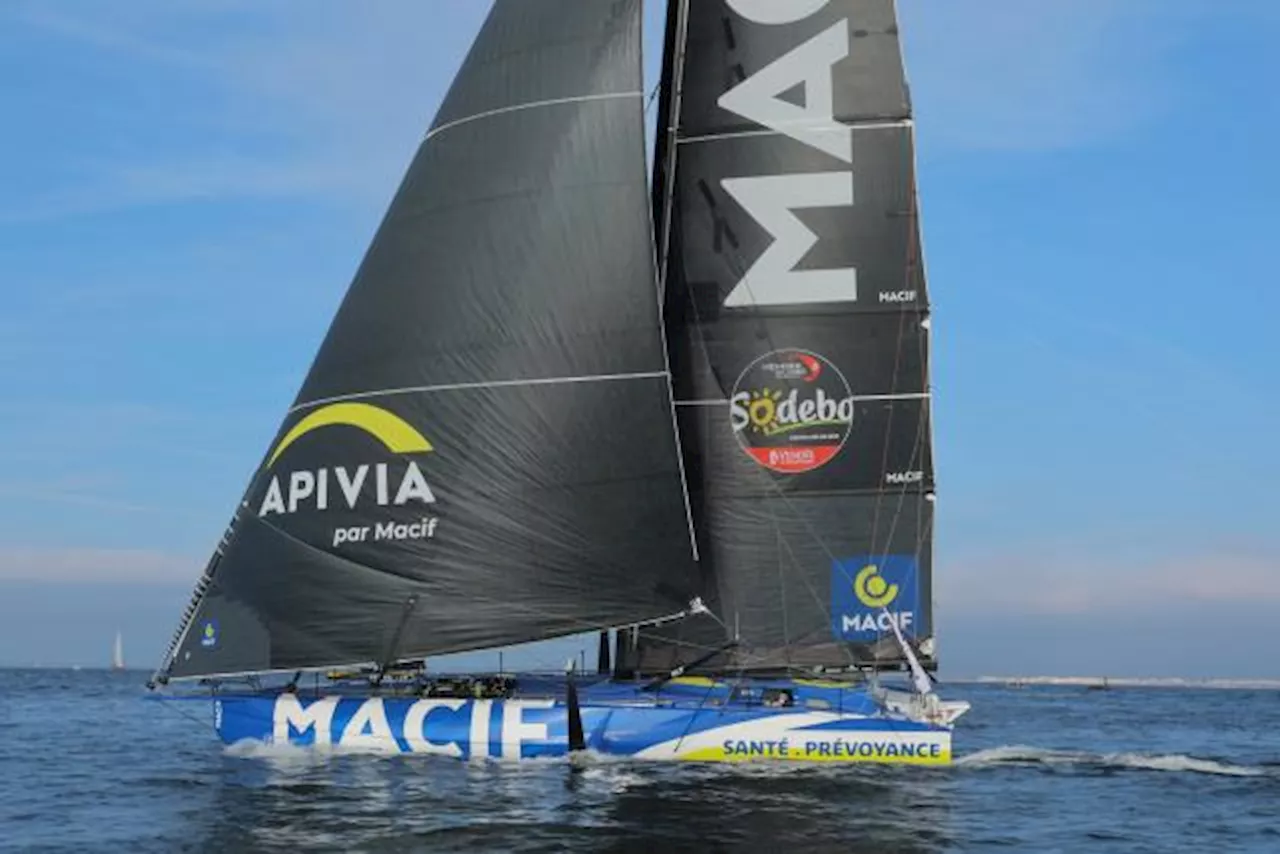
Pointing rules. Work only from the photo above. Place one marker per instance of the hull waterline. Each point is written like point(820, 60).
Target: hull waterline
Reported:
point(617, 721)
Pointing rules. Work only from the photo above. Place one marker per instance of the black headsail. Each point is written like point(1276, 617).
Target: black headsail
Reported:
point(797, 319)
point(483, 452)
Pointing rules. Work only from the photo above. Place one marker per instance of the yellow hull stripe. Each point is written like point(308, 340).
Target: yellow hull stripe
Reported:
point(718, 754)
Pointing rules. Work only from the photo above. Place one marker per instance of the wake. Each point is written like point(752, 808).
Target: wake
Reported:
point(1024, 755)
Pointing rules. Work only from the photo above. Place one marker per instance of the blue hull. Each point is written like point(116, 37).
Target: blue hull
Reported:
point(692, 719)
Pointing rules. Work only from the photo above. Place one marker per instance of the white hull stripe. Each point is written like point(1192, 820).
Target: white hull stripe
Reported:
point(532, 105)
point(385, 392)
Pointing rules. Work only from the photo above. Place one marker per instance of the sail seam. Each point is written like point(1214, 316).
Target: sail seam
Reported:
point(816, 128)
point(591, 378)
point(531, 105)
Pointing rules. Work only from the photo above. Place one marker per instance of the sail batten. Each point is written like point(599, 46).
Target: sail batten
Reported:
point(532, 105)
point(483, 452)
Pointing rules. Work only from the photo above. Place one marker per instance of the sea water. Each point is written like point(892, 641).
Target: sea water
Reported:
point(87, 764)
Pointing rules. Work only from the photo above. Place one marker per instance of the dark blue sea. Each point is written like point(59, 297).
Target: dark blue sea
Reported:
point(87, 764)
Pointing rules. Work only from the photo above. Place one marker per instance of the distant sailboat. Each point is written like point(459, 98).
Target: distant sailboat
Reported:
point(550, 405)
point(117, 653)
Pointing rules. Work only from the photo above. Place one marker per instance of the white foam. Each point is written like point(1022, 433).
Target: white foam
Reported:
point(1024, 754)
point(1179, 762)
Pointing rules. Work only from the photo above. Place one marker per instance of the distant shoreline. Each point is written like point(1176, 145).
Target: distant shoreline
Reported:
point(1125, 682)
point(1220, 683)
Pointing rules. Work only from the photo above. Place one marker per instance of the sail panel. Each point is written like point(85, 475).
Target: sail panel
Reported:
point(483, 452)
point(500, 260)
point(858, 216)
point(532, 53)
point(805, 582)
point(798, 325)
point(726, 48)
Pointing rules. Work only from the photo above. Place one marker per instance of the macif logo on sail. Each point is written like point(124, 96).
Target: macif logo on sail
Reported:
point(773, 199)
point(872, 593)
point(359, 488)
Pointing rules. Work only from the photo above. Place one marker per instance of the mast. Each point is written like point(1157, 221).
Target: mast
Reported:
point(797, 318)
point(483, 452)
point(117, 653)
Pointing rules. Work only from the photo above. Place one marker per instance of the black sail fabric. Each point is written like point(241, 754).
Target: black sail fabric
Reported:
point(797, 318)
point(484, 450)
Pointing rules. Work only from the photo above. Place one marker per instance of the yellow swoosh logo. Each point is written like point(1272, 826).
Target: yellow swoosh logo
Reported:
point(391, 430)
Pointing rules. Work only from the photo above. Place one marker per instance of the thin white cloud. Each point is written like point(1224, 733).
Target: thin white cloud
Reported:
point(327, 104)
point(116, 566)
point(1056, 582)
point(331, 102)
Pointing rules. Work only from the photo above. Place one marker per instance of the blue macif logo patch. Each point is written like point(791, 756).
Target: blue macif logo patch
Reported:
point(869, 591)
point(209, 634)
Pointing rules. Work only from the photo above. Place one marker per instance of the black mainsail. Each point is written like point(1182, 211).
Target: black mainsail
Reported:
point(484, 450)
point(797, 319)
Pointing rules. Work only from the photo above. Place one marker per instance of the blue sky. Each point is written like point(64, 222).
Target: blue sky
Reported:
point(188, 188)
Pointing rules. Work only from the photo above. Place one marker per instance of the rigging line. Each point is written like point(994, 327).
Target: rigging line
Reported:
point(693, 717)
point(897, 514)
point(782, 586)
point(531, 105)
point(904, 314)
point(804, 579)
point(800, 573)
point(888, 429)
point(812, 532)
point(653, 97)
point(186, 714)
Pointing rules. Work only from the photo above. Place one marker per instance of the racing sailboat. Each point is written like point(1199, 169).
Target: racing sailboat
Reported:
point(691, 414)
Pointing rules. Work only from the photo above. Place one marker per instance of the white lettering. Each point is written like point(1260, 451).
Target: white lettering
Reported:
point(772, 279)
point(904, 477)
point(515, 731)
point(415, 721)
point(289, 713)
point(351, 487)
point(302, 484)
point(814, 124)
point(791, 410)
point(368, 727)
point(274, 500)
point(897, 296)
point(350, 535)
point(322, 489)
point(480, 713)
point(776, 11)
point(380, 471)
point(414, 485)
point(423, 529)
point(878, 622)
